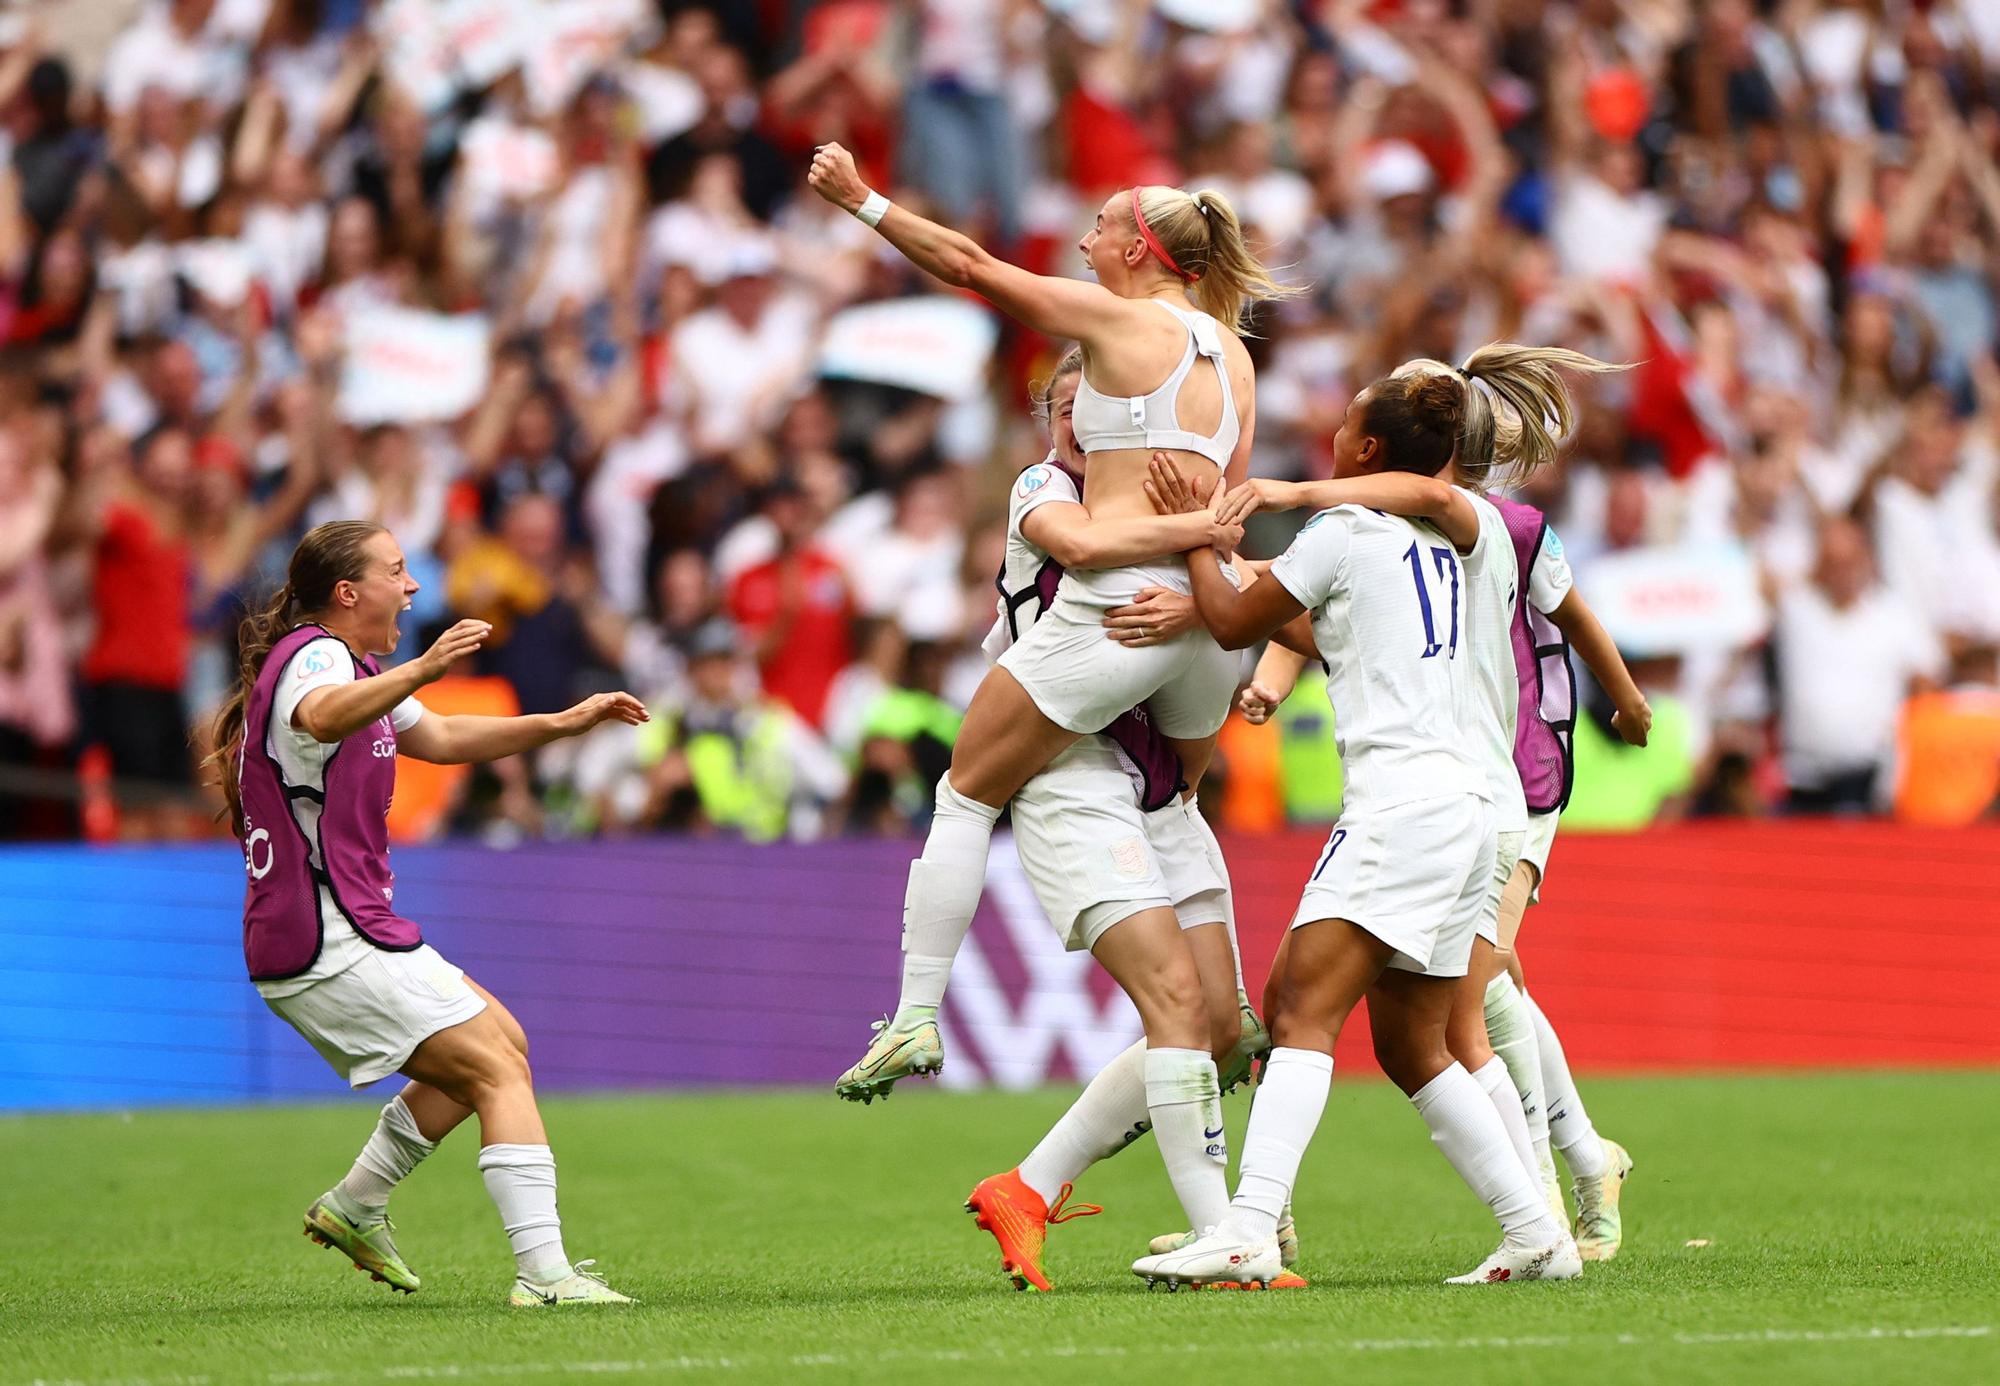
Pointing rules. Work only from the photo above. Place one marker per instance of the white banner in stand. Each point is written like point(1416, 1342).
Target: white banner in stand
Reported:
point(404, 366)
point(1671, 599)
point(933, 344)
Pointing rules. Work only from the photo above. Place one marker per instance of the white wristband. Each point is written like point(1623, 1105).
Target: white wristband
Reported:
point(873, 208)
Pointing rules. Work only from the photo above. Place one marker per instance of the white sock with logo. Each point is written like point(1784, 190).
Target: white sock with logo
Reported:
point(1510, 1029)
point(1184, 1100)
point(395, 1148)
point(1108, 1116)
point(521, 1180)
point(943, 893)
point(1290, 1100)
point(1499, 1089)
point(1570, 1130)
point(1467, 1129)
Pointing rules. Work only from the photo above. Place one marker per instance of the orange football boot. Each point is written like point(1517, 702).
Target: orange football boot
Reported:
point(1019, 1219)
point(1287, 1280)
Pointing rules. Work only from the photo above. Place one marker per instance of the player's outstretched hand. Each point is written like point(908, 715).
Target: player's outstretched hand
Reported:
point(603, 707)
point(834, 177)
point(1634, 723)
point(1258, 701)
point(454, 645)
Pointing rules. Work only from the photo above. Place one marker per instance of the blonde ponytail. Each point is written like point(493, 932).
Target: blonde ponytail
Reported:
point(1204, 243)
point(1518, 410)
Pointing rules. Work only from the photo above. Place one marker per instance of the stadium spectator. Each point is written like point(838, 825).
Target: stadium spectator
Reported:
point(796, 607)
point(571, 330)
point(1849, 653)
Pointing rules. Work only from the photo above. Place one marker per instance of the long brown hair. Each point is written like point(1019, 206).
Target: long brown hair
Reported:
point(330, 554)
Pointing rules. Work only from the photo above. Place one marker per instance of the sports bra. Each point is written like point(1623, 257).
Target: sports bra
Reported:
point(1106, 421)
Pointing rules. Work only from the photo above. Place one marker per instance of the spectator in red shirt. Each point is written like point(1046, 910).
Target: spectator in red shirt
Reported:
point(796, 607)
point(137, 663)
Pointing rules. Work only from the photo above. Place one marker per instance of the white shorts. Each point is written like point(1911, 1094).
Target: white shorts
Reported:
point(1506, 855)
point(366, 1020)
point(1191, 861)
point(1416, 876)
point(1082, 679)
point(1095, 858)
point(1535, 850)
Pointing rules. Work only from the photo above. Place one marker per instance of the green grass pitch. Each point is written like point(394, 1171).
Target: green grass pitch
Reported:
point(1851, 1234)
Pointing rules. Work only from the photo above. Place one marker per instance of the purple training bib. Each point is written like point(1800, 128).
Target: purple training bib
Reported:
point(1547, 711)
point(299, 837)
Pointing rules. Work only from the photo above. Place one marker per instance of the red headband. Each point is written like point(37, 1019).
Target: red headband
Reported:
point(1153, 242)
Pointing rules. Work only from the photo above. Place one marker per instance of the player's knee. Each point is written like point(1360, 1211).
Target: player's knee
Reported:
point(499, 1068)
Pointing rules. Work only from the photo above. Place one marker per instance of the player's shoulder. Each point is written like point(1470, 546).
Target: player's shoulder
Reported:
point(1044, 481)
point(319, 657)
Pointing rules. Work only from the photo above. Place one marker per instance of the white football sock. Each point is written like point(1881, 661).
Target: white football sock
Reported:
point(1185, 1102)
point(396, 1148)
point(1510, 1029)
point(521, 1180)
point(1570, 1130)
point(1108, 1116)
point(1290, 1100)
point(944, 889)
point(1467, 1129)
point(1494, 1082)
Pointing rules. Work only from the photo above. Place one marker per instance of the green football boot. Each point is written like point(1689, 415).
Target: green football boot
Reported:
point(581, 1286)
point(901, 1049)
point(1252, 1049)
point(369, 1245)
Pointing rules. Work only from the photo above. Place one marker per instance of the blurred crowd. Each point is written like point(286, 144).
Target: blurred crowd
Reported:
point(538, 285)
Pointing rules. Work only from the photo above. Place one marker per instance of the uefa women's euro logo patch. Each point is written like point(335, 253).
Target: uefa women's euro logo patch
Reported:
point(1032, 480)
point(316, 661)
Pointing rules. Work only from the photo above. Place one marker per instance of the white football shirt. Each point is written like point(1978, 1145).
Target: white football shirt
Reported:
point(1387, 601)
point(1493, 695)
point(1034, 488)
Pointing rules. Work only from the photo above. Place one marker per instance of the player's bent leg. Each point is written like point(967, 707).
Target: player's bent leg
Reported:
point(1004, 742)
point(1147, 955)
point(1408, 1014)
point(1598, 1166)
point(478, 1065)
point(517, 1035)
point(1324, 968)
point(1466, 1037)
point(1236, 1037)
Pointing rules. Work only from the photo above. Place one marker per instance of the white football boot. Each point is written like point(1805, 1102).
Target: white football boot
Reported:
point(1212, 1259)
point(1556, 1261)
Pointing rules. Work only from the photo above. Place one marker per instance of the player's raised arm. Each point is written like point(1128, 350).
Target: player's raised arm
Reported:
point(334, 714)
point(1052, 304)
